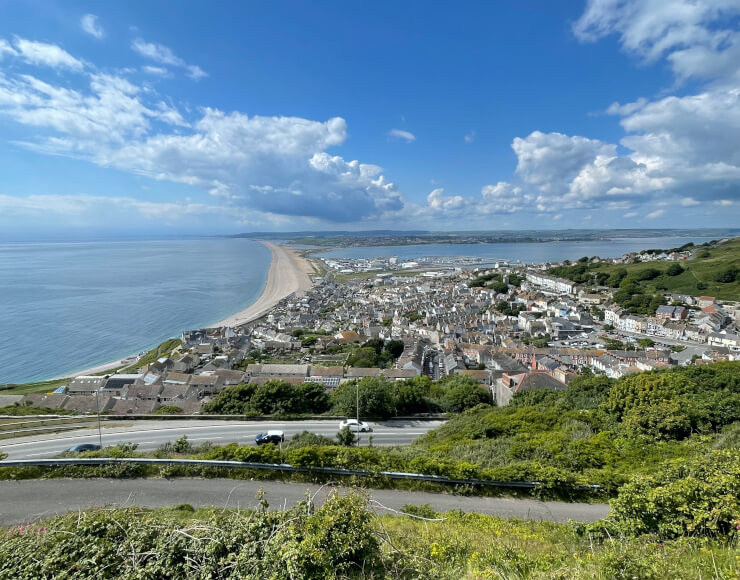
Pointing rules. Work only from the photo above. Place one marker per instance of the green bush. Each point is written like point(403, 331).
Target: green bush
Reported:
point(700, 497)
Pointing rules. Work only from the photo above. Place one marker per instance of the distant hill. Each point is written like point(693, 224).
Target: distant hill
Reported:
point(712, 270)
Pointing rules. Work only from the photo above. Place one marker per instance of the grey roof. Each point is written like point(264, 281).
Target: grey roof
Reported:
point(540, 381)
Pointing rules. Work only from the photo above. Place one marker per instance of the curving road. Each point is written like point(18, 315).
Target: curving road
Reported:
point(151, 434)
point(31, 500)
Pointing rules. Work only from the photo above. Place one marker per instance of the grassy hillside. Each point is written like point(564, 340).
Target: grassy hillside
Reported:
point(164, 349)
point(698, 278)
point(344, 539)
point(29, 388)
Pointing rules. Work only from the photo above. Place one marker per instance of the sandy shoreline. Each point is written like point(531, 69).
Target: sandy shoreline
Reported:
point(289, 273)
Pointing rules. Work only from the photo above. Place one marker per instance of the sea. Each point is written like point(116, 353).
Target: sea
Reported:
point(68, 306)
point(525, 252)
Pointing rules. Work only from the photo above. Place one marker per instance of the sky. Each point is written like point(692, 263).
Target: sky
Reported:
point(162, 118)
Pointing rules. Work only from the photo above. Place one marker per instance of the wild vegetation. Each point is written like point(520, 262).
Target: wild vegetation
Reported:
point(343, 539)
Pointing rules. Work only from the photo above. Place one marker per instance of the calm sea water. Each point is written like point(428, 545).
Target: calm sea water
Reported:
point(523, 252)
point(67, 306)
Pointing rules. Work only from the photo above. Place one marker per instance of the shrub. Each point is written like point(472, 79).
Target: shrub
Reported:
point(700, 497)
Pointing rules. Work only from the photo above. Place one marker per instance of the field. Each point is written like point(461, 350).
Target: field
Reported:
point(698, 270)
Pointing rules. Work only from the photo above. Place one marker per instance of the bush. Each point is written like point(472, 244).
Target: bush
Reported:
point(700, 497)
point(674, 270)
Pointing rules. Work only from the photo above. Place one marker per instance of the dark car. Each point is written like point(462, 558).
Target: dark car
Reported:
point(84, 447)
point(270, 437)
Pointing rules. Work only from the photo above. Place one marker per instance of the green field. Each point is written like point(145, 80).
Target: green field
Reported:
point(698, 278)
point(29, 388)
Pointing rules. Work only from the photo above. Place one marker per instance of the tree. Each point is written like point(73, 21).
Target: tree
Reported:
point(377, 398)
point(583, 260)
point(313, 397)
point(394, 347)
point(463, 392)
point(410, 399)
point(674, 270)
point(645, 343)
point(727, 276)
point(232, 401)
point(346, 437)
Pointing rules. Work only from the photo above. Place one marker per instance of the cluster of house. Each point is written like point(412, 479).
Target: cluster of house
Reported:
point(447, 326)
point(709, 323)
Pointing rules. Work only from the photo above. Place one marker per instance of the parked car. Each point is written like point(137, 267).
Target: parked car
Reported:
point(275, 437)
point(84, 447)
point(353, 425)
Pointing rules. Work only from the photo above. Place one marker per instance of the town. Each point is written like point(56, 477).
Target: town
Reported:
point(509, 327)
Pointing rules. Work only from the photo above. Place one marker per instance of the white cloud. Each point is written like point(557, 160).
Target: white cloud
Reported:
point(689, 202)
point(158, 71)
point(196, 73)
point(655, 214)
point(156, 52)
point(550, 161)
point(41, 53)
point(273, 165)
point(401, 134)
point(631, 214)
point(500, 198)
point(696, 36)
point(5, 48)
point(89, 23)
point(724, 202)
point(164, 55)
point(470, 137)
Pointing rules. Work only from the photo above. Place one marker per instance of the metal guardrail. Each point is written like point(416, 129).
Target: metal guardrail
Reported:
point(279, 467)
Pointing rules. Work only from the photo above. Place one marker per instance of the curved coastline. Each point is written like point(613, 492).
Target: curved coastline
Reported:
point(289, 273)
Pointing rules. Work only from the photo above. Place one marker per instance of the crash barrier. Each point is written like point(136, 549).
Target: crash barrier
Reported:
point(283, 467)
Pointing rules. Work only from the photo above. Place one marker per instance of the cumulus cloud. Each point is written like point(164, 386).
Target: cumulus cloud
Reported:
point(164, 55)
point(401, 134)
point(655, 214)
point(689, 202)
point(499, 198)
point(89, 24)
point(274, 165)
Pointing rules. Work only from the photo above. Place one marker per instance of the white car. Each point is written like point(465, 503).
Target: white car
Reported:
point(353, 425)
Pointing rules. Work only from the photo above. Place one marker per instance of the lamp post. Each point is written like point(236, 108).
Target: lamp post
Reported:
point(97, 406)
point(357, 408)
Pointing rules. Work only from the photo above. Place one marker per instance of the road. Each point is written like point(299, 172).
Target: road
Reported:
point(151, 434)
point(31, 500)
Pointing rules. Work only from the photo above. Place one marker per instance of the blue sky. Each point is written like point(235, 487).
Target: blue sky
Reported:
point(139, 117)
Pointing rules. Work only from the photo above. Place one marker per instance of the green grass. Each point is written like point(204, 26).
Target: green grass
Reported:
point(164, 349)
point(696, 270)
point(30, 388)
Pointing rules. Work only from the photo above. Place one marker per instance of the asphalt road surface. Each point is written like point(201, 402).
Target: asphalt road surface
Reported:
point(151, 434)
point(32, 500)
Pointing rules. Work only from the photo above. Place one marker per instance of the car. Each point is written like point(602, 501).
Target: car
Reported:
point(84, 447)
point(354, 425)
point(275, 437)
